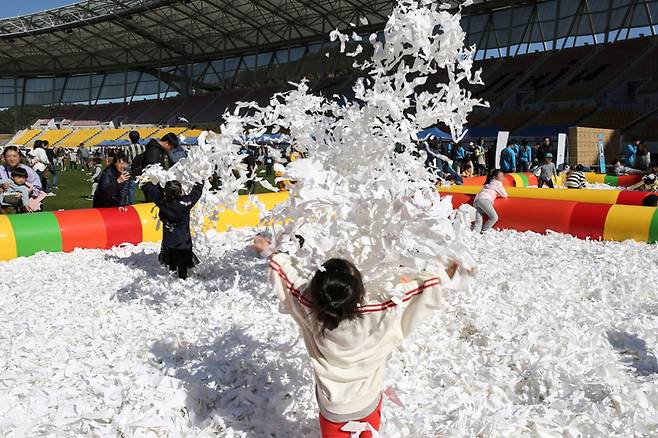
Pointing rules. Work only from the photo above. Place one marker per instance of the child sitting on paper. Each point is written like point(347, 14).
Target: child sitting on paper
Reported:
point(349, 341)
point(16, 191)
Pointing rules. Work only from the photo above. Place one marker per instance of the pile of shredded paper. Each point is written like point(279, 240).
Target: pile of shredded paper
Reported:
point(559, 339)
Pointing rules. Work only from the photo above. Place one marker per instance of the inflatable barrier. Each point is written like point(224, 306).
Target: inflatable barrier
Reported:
point(597, 217)
point(102, 228)
point(528, 180)
point(609, 197)
point(580, 219)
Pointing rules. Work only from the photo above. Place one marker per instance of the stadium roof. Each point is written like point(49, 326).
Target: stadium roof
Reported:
point(97, 51)
point(105, 35)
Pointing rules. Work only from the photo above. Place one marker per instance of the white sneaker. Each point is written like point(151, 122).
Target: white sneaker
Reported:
point(50, 194)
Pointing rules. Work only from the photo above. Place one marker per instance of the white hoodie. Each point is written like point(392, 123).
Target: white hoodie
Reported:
point(349, 361)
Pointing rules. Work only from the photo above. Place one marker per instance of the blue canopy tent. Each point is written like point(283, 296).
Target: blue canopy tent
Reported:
point(114, 143)
point(433, 132)
point(191, 141)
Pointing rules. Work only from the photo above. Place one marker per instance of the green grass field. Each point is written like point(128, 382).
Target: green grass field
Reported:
point(74, 187)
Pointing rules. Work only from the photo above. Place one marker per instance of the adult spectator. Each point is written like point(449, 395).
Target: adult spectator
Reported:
point(134, 148)
point(525, 156)
point(643, 158)
point(11, 156)
point(112, 183)
point(459, 157)
point(52, 166)
point(619, 169)
point(40, 164)
point(631, 153)
point(480, 157)
point(545, 148)
point(153, 154)
point(83, 156)
point(508, 159)
point(171, 145)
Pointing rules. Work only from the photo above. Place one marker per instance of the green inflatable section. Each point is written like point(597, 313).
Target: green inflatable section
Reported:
point(653, 228)
point(36, 232)
point(524, 178)
point(611, 180)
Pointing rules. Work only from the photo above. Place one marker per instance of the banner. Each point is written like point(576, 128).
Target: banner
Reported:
point(561, 149)
point(501, 143)
point(602, 168)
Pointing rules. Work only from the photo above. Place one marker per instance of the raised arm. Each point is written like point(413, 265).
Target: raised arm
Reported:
point(195, 194)
point(424, 295)
point(283, 276)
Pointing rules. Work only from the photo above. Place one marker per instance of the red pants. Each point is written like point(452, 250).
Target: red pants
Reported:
point(329, 429)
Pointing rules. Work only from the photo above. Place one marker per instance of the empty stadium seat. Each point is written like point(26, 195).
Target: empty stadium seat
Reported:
point(107, 135)
point(26, 136)
point(78, 136)
point(53, 136)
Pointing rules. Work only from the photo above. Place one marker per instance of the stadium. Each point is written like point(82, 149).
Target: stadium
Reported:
point(278, 218)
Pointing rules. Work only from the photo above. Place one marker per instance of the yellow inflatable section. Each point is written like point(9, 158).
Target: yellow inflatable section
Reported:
point(7, 240)
point(589, 196)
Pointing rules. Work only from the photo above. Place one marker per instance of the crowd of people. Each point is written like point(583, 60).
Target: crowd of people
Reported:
point(455, 161)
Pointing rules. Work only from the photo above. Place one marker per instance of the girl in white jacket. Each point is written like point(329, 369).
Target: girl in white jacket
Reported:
point(348, 340)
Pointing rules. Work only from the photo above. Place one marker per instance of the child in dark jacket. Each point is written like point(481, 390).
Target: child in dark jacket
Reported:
point(175, 207)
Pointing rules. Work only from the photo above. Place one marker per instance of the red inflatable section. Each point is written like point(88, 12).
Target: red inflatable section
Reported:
point(588, 220)
point(628, 180)
point(475, 181)
point(460, 198)
point(81, 229)
point(532, 179)
point(121, 226)
point(536, 215)
point(631, 198)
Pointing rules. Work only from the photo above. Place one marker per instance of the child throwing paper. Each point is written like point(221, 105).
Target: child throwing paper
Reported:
point(349, 340)
point(175, 207)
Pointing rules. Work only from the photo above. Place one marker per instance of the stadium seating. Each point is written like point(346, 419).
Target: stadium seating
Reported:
point(508, 121)
point(160, 110)
point(54, 136)
point(607, 63)
point(143, 132)
point(107, 135)
point(26, 136)
point(78, 136)
point(616, 117)
point(562, 116)
point(162, 132)
point(192, 133)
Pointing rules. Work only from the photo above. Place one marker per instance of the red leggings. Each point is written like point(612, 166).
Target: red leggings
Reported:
point(330, 429)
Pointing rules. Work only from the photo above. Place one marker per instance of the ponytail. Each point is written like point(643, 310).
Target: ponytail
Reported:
point(336, 292)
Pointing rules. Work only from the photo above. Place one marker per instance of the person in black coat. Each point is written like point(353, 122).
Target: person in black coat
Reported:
point(111, 190)
point(177, 251)
point(153, 154)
